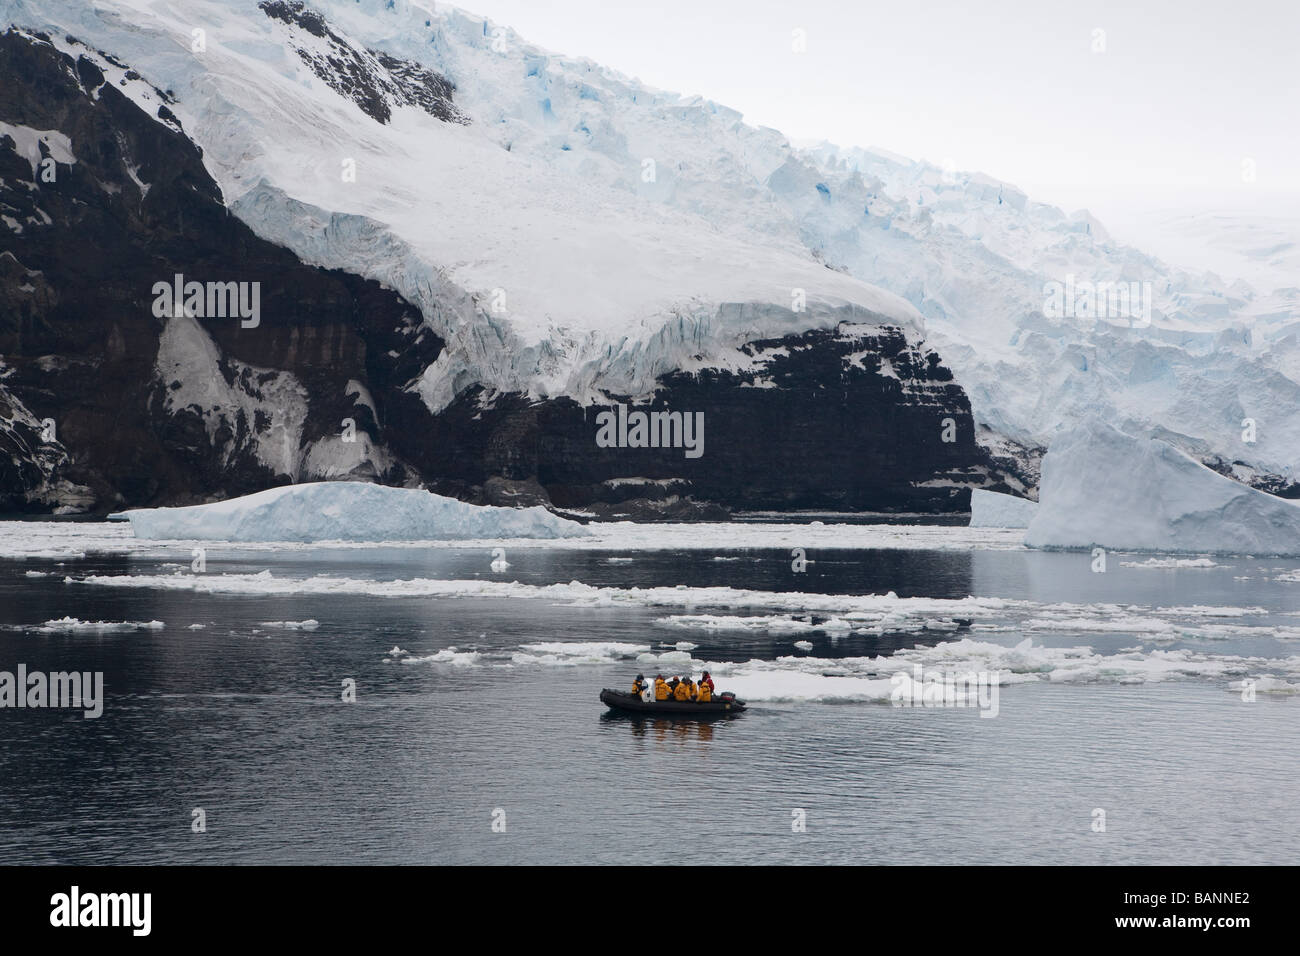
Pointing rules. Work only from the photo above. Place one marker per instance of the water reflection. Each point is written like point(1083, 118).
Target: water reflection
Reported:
point(666, 729)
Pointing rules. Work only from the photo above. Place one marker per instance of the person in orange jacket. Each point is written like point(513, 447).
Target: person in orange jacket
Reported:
point(661, 687)
point(705, 692)
point(683, 691)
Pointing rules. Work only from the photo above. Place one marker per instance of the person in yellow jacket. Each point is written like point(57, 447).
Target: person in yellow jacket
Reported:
point(683, 691)
point(638, 685)
point(705, 692)
point(661, 687)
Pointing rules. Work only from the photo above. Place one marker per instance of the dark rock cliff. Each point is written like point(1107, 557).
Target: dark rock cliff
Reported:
point(828, 421)
point(81, 345)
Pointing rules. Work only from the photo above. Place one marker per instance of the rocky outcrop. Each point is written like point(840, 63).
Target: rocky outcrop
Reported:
point(374, 80)
point(851, 419)
point(100, 202)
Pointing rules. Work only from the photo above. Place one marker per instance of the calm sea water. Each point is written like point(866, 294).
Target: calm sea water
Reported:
point(245, 721)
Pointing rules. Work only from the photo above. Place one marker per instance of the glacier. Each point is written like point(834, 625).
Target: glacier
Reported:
point(580, 233)
point(346, 511)
point(1102, 487)
point(991, 509)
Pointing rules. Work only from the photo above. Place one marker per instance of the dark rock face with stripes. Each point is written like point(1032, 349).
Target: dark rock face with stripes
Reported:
point(852, 419)
point(101, 203)
point(108, 400)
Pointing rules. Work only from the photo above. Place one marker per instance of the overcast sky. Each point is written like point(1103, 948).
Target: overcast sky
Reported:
point(1183, 94)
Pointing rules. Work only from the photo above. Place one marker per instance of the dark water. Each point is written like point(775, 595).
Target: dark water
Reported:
point(246, 722)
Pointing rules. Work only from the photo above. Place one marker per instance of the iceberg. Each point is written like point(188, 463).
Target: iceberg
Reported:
point(989, 509)
point(1103, 487)
point(347, 511)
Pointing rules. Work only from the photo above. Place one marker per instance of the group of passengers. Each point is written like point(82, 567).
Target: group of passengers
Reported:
point(679, 688)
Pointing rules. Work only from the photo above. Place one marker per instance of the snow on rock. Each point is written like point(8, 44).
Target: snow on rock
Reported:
point(1103, 487)
point(30, 141)
point(346, 511)
point(989, 509)
point(191, 366)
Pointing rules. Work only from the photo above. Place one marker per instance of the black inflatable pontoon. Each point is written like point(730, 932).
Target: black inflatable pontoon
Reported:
point(722, 704)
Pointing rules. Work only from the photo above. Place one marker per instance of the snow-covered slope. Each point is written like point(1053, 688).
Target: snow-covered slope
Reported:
point(1103, 487)
point(347, 511)
point(526, 234)
point(569, 231)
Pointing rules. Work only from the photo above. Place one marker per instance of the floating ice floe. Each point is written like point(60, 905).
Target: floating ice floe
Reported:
point(572, 653)
point(1170, 563)
point(346, 511)
point(1102, 487)
point(788, 612)
point(878, 679)
point(1266, 685)
point(449, 655)
point(873, 679)
point(308, 625)
point(72, 625)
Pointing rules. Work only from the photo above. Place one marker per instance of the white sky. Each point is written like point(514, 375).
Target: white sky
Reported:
point(1184, 92)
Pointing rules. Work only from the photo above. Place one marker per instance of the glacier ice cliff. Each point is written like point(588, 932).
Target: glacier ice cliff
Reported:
point(1101, 487)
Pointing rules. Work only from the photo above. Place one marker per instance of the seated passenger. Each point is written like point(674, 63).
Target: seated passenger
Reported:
point(661, 687)
point(682, 691)
point(705, 691)
point(638, 685)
